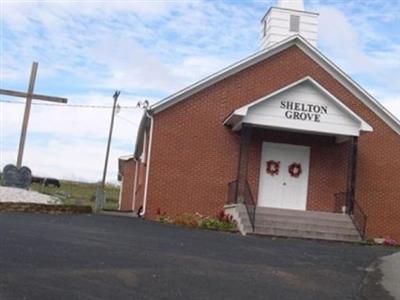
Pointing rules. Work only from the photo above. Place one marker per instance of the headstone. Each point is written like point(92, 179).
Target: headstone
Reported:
point(14, 177)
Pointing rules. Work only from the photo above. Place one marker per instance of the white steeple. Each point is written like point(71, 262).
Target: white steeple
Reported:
point(287, 18)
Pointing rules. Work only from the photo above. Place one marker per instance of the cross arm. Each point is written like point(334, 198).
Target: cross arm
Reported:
point(33, 96)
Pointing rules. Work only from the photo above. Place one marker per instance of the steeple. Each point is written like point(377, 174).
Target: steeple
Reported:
point(285, 19)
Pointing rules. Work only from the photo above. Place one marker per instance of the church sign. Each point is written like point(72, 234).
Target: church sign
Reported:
point(303, 111)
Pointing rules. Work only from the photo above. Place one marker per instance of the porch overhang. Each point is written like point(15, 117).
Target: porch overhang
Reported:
point(303, 106)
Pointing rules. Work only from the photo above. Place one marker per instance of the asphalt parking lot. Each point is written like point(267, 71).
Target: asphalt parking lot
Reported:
point(105, 257)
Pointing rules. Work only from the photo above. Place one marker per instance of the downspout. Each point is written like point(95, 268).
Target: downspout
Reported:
point(120, 193)
point(148, 163)
point(134, 184)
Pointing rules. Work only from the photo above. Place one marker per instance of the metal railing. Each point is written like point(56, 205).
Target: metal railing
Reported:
point(247, 199)
point(250, 205)
point(354, 210)
point(232, 189)
point(359, 218)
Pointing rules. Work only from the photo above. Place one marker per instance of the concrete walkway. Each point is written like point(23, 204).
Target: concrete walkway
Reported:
point(390, 268)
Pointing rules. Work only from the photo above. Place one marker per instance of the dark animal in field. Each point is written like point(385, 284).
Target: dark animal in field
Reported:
point(46, 181)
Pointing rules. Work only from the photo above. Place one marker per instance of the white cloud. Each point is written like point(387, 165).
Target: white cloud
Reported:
point(347, 40)
point(393, 105)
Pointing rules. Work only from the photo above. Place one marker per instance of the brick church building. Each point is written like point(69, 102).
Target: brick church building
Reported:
point(283, 140)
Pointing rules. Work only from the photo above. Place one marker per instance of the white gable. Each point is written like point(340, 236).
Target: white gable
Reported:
point(303, 106)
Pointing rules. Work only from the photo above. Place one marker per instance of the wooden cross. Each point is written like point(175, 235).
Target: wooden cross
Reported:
point(29, 97)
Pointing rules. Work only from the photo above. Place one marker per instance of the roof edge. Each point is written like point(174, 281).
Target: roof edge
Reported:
point(222, 74)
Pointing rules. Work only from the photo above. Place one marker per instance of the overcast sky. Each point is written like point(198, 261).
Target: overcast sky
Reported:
point(87, 49)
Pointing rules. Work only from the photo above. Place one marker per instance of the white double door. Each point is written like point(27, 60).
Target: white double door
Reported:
point(283, 190)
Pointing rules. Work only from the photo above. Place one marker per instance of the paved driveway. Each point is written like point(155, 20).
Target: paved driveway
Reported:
point(106, 257)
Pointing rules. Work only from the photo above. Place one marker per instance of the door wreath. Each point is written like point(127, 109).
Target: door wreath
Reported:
point(295, 170)
point(273, 167)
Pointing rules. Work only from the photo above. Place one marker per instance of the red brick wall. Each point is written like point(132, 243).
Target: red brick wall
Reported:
point(128, 185)
point(194, 156)
point(128, 173)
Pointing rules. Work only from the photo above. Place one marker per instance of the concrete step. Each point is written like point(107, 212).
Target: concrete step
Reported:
point(304, 228)
point(299, 224)
point(295, 213)
point(343, 221)
point(345, 229)
point(300, 213)
point(309, 234)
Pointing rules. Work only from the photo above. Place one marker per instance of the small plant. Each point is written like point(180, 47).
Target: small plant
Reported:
point(188, 220)
point(162, 217)
point(222, 221)
point(390, 242)
point(224, 217)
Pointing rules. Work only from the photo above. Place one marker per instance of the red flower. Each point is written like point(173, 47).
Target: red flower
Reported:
point(273, 167)
point(295, 170)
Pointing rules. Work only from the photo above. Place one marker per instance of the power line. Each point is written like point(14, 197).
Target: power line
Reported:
point(126, 120)
point(70, 105)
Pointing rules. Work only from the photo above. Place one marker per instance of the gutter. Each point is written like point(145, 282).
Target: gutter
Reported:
point(120, 194)
point(148, 163)
point(135, 184)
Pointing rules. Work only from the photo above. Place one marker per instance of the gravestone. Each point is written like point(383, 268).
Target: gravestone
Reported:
point(14, 177)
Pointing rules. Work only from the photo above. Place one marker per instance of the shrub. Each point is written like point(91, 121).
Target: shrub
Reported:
point(224, 217)
point(222, 221)
point(188, 220)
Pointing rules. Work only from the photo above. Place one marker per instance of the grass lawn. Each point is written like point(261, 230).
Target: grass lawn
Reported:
point(72, 192)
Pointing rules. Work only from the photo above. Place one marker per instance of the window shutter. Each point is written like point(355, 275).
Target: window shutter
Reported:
point(294, 23)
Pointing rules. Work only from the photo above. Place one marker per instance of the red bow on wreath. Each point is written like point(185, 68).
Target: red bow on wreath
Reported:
point(273, 167)
point(295, 170)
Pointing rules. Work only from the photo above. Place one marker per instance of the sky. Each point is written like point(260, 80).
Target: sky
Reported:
point(149, 50)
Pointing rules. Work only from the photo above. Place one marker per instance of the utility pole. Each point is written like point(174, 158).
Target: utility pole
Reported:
point(100, 193)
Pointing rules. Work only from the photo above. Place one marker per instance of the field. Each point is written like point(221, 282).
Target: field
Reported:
point(72, 192)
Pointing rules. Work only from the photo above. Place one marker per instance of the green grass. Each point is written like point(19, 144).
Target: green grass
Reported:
point(72, 192)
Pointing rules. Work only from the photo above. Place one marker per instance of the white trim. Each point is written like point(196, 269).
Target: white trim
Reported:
point(148, 164)
point(242, 111)
point(125, 157)
point(309, 50)
point(120, 193)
